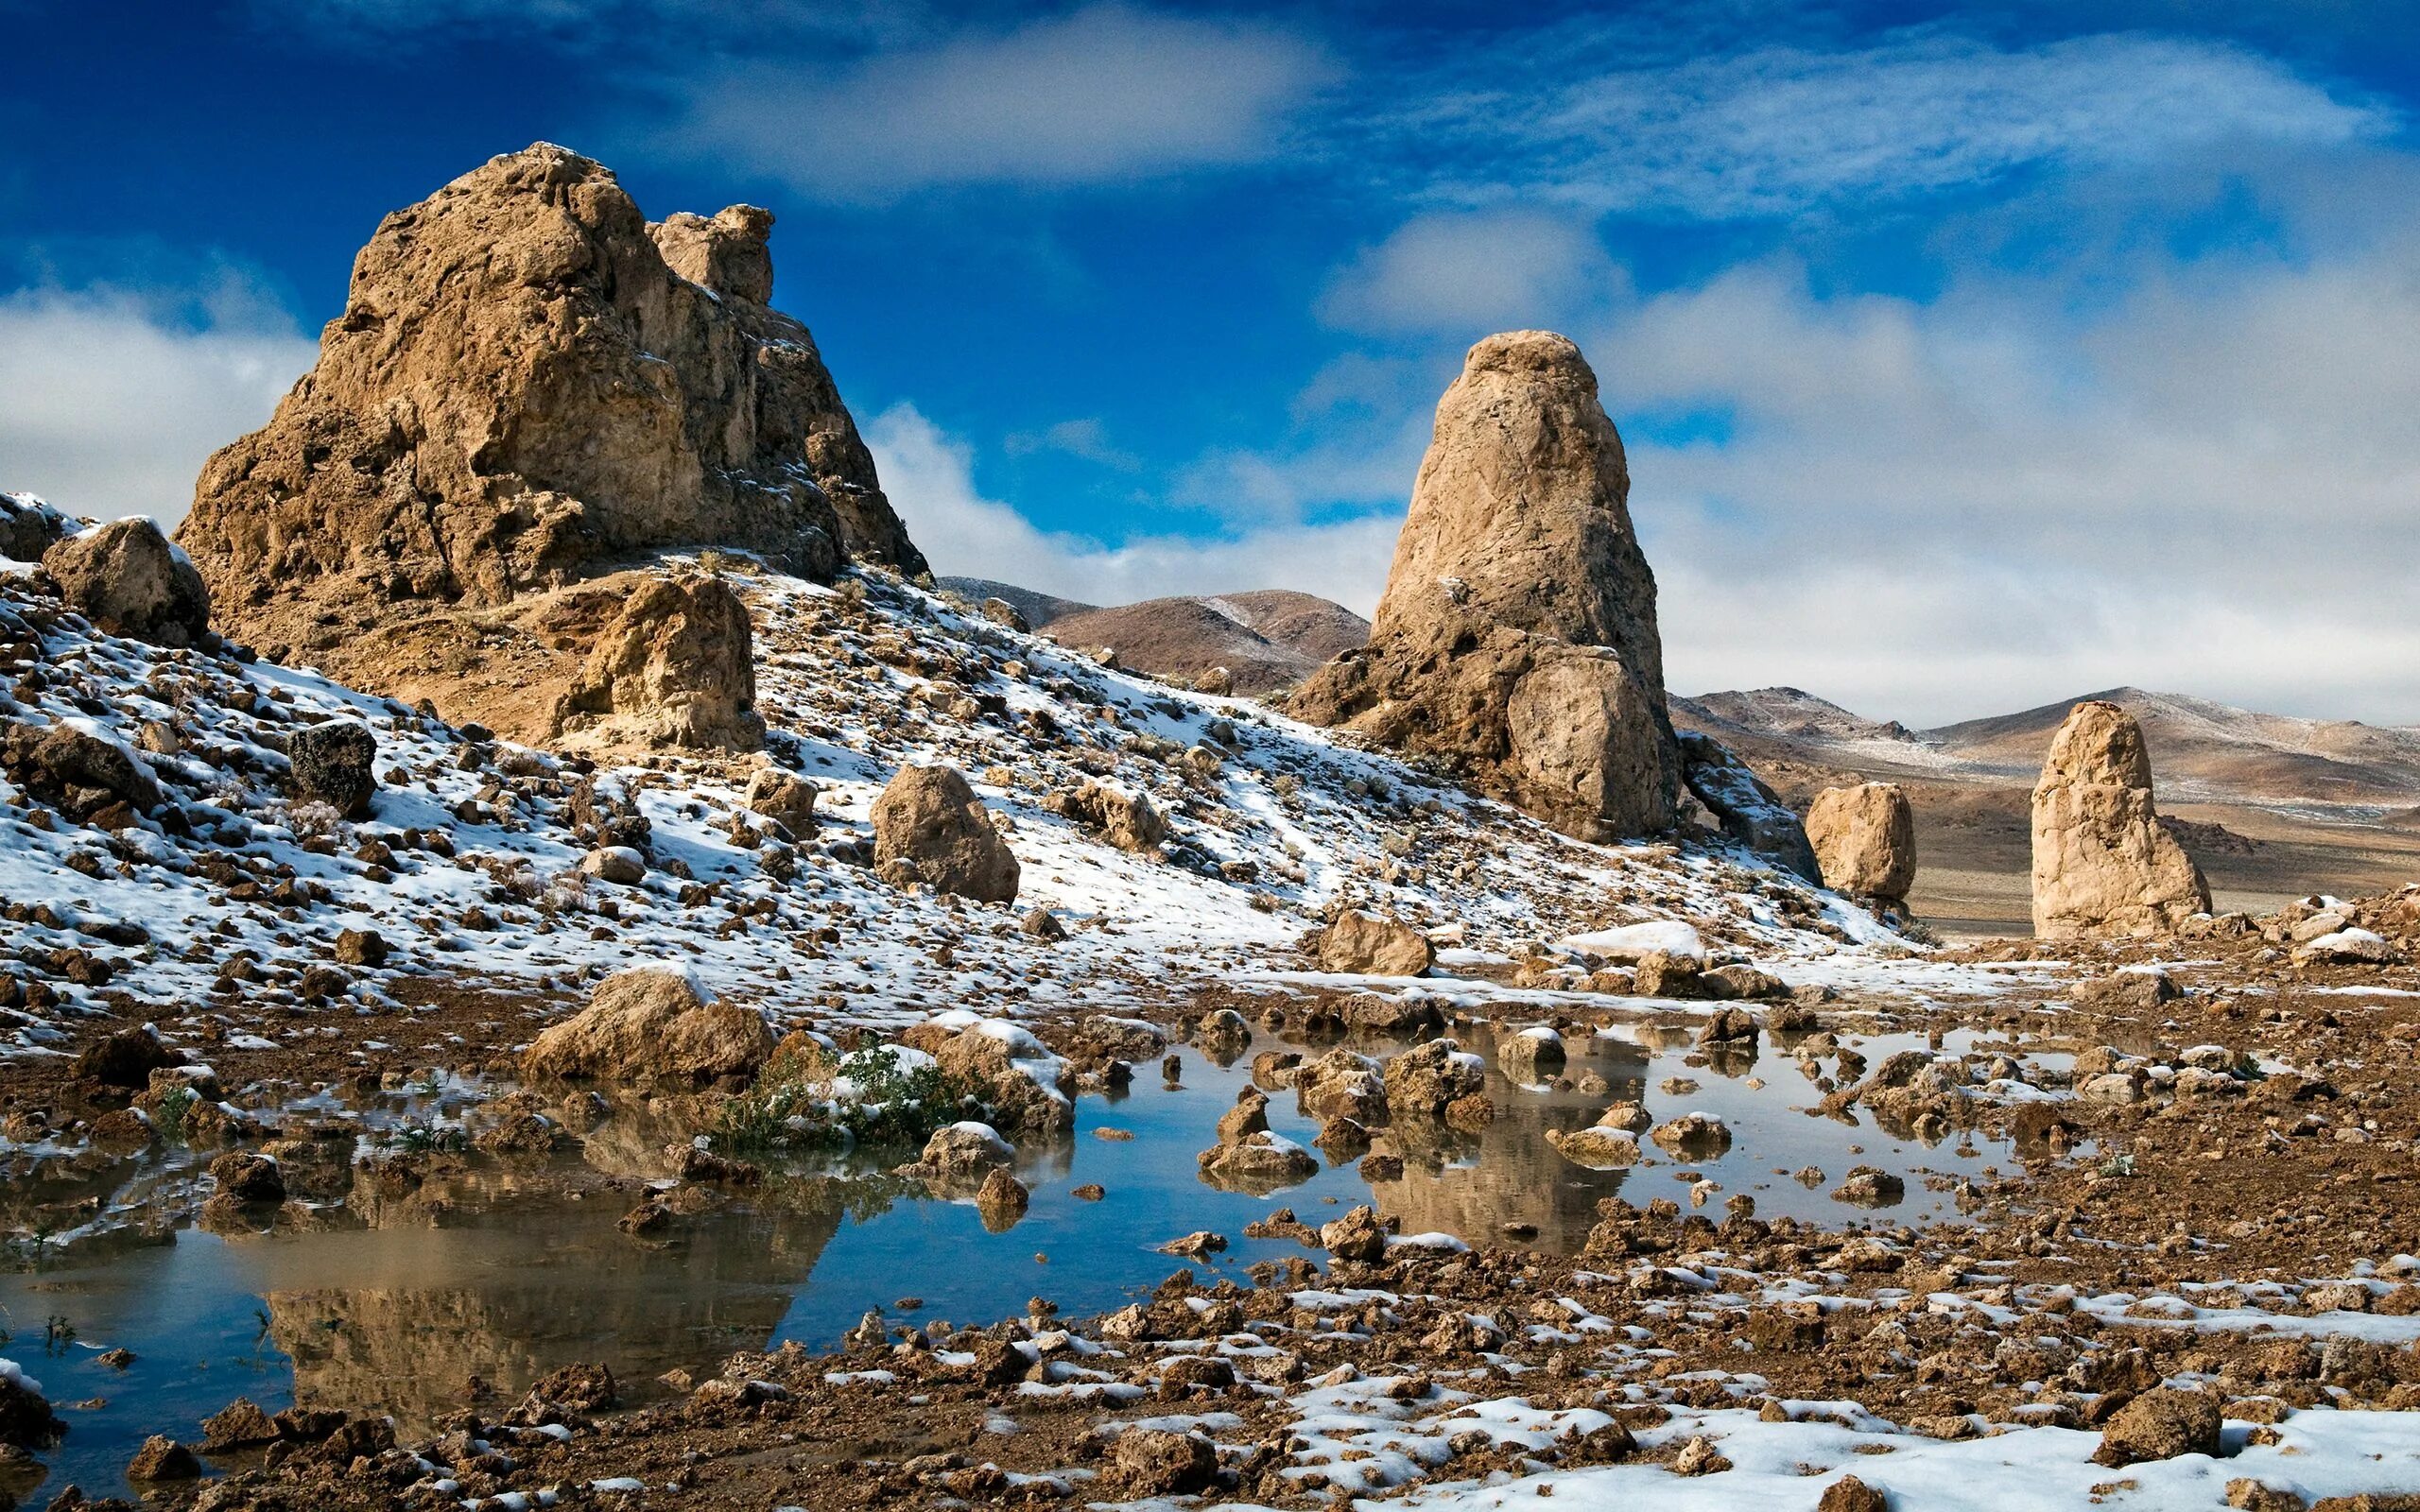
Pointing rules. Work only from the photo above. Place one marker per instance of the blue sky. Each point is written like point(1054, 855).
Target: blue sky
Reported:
point(1968, 357)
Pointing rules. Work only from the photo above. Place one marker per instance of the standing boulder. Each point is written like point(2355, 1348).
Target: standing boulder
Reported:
point(651, 1025)
point(1366, 945)
point(1865, 840)
point(930, 818)
point(1126, 820)
point(785, 798)
point(1749, 812)
point(127, 579)
point(1517, 638)
point(333, 763)
point(2102, 863)
point(676, 667)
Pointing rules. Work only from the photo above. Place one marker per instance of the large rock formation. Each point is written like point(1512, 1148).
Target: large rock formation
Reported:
point(2102, 864)
point(529, 381)
point(1865, 840)
point(1517, 637)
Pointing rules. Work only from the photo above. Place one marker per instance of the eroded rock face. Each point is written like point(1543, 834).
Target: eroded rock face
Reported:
point(1517, 634)
point(1865, 840)
point(125, 578)
point(651, 1025)
point(2102, 864)
point(529, 381)
point(676, 667)
point(930, 817)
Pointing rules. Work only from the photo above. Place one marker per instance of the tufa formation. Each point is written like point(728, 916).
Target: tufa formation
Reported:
point(1517, 637)
point(529, 385)
point(2102, 864)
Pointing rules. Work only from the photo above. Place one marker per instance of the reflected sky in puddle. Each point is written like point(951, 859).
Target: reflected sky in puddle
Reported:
point(504, 1272)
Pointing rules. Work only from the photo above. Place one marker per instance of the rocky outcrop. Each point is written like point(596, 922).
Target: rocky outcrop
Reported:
point(125, 578)
point(1865, 840)
point(1517, 637)
point(529, 381)
point(931, 824)
point(651, 1025)
point(676, 667)
point(2103, 865)
point(1748, 811)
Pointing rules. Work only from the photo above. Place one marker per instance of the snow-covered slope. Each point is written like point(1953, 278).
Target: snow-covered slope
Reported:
point(231, 893)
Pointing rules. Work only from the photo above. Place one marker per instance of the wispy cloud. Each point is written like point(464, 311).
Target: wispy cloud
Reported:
point(1774, 130)
point(1473, 272)
point(111, 398)
point(1103, 94)
point(1086, 440)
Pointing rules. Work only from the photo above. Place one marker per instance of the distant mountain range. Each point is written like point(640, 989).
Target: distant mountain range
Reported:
point(2202, 751)
point(1266, 638)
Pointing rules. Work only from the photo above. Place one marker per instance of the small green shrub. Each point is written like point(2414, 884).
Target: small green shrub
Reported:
point(800, 1101)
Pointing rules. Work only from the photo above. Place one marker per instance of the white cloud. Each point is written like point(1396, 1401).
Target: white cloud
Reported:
point(1936, 512)
point(1103, 94)
point(929, 475)
point(1472, 273)
point(110, 399)
point(1775, 129)
point(1086, 440)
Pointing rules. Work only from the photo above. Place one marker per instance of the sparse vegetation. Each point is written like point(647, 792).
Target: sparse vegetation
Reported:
point(812, 1099)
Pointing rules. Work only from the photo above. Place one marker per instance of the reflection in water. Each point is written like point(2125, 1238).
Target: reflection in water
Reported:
point(1507, 1174)
point(402, 1280)
point(458, 1282)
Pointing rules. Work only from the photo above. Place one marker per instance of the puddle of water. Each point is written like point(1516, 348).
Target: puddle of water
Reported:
point(505, 1272)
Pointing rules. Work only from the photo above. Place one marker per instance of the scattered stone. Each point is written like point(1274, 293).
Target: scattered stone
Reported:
point(675, 668)
point(1126, 820)
point(1260, 1164)
point(334, 763)
point(162, 1458)
point(785, 798)
point(929, 816)
point(966, 1150)
point(651, 1025)
point(249, 1178)
point(1358, 1236)
point(125, 1058)
point(2161, 1423)
point(1156, 1462)
point(1531, 1057)
point(1001, 1201)
point(239, 1423)
point(1364, 944)
point(620, 865)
